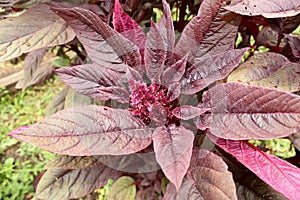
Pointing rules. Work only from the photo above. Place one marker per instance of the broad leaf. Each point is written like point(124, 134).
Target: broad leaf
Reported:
point(95, 81)
point(166, 29)
point(123, 188)
point(295, 138)
point(74, 182)
point(294, 42)
point(249, 112)
point(250, 187)
point(174, 73)
point(31, 63)
point(104, 45)
point(39, 76)
point(285, 25)
point(88, 130)
point(268, 9)
point(29, 3)
point(188, 112)
point(209, 69)
point(270, 70)
point(73, 162)
point(212, 31)
point(142, 162)
point(279, 174)
point(125, 25)
point(36, 28)
point(207, 178)
point(173, 150)
point(155, 53)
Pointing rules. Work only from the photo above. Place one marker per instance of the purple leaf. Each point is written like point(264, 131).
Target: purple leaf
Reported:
point(270, 70)
point(95, 81)
point(73, 162)
point(174, 91)
point(207, 178)
point(155, 53)
point(285, 25)
point(249, 112)
point(166, 29)
point(268, 9)
point(279, 174)
point(31, 63)
point(36, 28)
point(295, 138)
point(173, 151)
point(67, 183)
point(175, 72)
point(188, 112)
point(104, 45)
point(209, 69)
point(212, 31)
point(125, 25)
point(88, 130)
point(294, 42)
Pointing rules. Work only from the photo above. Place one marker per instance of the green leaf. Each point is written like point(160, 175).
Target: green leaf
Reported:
point(123, 188)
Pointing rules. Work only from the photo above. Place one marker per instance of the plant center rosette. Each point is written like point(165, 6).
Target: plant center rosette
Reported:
point(152, 104)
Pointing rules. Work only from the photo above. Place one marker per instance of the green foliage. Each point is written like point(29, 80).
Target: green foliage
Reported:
point(104, 190)
point(282, 148)
point(21, 163)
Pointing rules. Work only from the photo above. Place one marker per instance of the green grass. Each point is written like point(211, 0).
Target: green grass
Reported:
point(21, 162)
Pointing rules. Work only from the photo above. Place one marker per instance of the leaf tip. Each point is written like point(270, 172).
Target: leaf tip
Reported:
point(17, 131)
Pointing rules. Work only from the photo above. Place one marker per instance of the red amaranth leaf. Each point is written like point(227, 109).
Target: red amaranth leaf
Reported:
point(166, 29)
point(175, 72)
point(125, 25)
point(104, 45)
point(241, 112)
point(173, 151)
point(270, 70)
point(155, 54)
point(207, 178)
point(281, 175)
point(294, 42)
point(212, 31)
point(209, 69)
point(36, 28)
point(64, 183)
point(95, 81)
point(88, 130)
point(268, 9)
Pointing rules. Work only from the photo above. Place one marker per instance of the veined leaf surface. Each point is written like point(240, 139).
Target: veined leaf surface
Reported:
point(240, 112)
point(88, 130)
point(36, 28)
